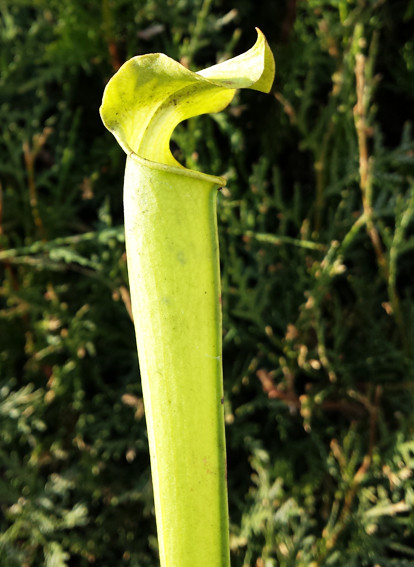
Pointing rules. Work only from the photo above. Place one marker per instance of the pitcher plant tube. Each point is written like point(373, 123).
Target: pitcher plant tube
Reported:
point(173, 268)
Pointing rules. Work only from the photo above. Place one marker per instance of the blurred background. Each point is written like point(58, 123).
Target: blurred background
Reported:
point(316, 234)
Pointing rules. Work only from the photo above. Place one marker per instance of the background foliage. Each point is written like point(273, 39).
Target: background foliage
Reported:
point(317, 237)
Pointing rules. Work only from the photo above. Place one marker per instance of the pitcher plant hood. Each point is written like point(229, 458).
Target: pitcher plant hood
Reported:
point(150, 94)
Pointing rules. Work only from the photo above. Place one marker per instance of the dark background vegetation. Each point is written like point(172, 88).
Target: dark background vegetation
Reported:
point(317, 237)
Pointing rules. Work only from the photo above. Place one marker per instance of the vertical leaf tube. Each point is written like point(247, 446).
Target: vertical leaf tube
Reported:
point(173, 265)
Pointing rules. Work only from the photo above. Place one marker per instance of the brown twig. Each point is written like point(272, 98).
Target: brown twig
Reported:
point(109, 35)
point(366, 162)
point(348, 501)
point(293, 401)
point(30, 151)
point(126, 298)
point(366, 181)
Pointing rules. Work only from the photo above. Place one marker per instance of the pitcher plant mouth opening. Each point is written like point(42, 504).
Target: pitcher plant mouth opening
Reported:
point(178, 170)
point(173, 267)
